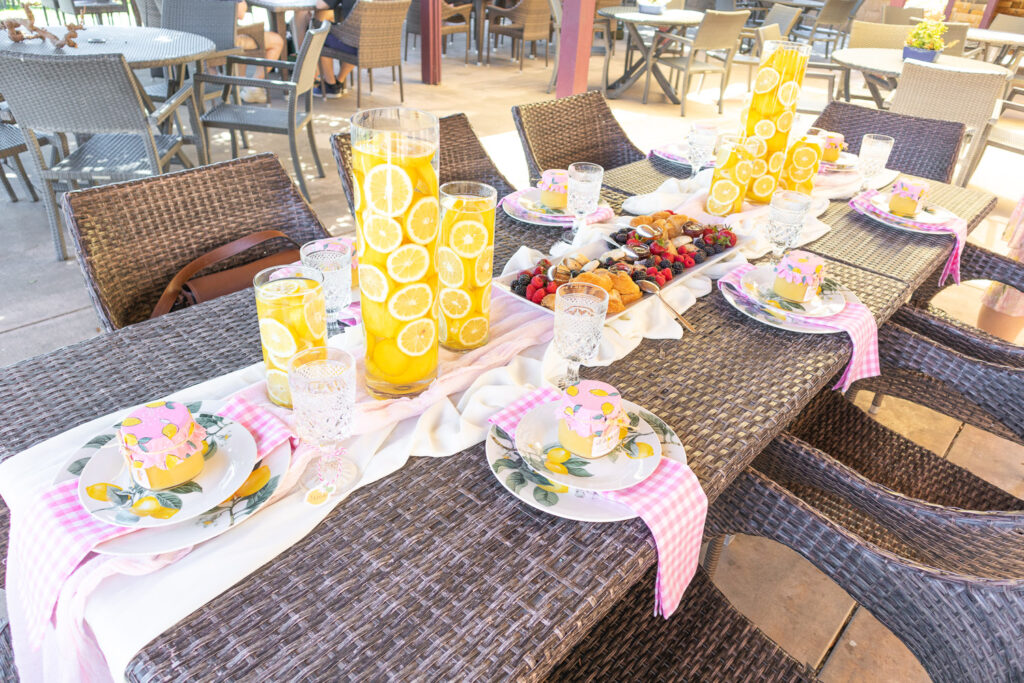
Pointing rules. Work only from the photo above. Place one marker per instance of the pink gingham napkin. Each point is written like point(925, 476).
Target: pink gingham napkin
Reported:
point(958, 228)
point(517, 210)
point(855, 319)
point(670, 501)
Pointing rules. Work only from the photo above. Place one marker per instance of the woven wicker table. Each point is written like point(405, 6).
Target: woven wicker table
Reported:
point(436, 572)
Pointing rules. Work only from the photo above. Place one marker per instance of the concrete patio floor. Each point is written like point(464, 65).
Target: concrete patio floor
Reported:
point(47, 306)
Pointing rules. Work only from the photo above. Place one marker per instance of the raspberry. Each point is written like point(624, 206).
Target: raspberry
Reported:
point(538, 282)
point(538, 296)
point(688, 262)
point(632, 242)
point(666, 272)
point(530, 289)
point(552, 286)
point(660, 279)
point(652, 271)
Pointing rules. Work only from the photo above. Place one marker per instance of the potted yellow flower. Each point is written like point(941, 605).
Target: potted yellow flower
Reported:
point(925, 42)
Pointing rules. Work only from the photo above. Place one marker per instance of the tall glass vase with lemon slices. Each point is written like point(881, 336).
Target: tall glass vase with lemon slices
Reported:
point(802, 162)
point(465, 262)
point(730, 177)
point(394, 160)
point(292, 317)
point(769, 118)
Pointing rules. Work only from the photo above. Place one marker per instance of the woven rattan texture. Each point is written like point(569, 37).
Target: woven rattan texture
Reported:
point(959, 336)
point(705, 640)
point(644, 176)
point(143, 48)
point(133, 237)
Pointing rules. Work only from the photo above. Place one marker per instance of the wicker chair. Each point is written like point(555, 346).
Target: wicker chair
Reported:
point(718, 32)
point(900, 15)
point(265, 119)
point(556, 133)
point(1000, 136)
point(375, 29)
point(462, 157)
point(122, 144)
point(12, 144)
point(959, 611)
point(832, 24)
point(134, 237)
point(528, 20)
point(925, 91)
point(935, 161)
point(783, 16)
point(707, 639)
point(448, 27)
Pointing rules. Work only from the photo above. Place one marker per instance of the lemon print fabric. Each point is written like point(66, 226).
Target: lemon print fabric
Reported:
point(465, 261)
point(399, 263)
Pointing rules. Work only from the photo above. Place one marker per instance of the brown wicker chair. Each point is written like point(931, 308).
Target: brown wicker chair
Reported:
point(960, 612)
point(935, 160)
point(448, 26)
point(528, 20)
point(375, 29)
point(707, 639)
point(462, 158)
point(556, 133)
point(133, 237)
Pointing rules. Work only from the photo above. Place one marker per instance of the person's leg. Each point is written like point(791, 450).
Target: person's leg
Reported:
point(273, 45)
point(1000, 324)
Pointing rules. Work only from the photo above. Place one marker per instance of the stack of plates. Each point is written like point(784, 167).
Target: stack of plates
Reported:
point(525, 206)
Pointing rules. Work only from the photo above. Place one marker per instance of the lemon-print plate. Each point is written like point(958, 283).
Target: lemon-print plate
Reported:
point(537, 491)
point(632, 461)
point(759, 283)
point(108, 493)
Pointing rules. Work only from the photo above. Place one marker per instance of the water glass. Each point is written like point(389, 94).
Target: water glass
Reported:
point(786, 215)
point(580, 309)
point(323, 385)
point(333, 258)
point(584, 194)
point(702, 140)
point(874, 155)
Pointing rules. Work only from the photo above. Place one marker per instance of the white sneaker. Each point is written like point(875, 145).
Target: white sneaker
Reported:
point(253, 95)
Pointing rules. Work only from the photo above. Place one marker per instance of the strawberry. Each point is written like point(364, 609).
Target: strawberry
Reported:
point(652, 271)
point(657, 248)
point(538, 296)
point(538, 281)
point(552, 286)
point(660, 279)
point(730, 236)
point(669, 212)
point(632, 242)
point(544, 263)
point(656, 259)
point(530, 289)
point(526, 272)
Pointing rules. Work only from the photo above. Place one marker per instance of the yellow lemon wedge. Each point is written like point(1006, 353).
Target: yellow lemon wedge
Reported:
point(474, 331)
point(277, 338)
point(408, 263)
point(468, 238)
point(417, 337)
point(449, 268)
point(484, 266)
point(388, 190)
point(411, 302)
point(422, 221)
point(381, 233)
point(455, 303)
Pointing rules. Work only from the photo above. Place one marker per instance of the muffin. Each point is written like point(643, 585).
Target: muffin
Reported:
point(162, 444)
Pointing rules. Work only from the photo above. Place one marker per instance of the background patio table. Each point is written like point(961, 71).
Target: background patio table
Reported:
point(436, 571)
point(998, 38)
point(674, 20)
point(142, 47)
point(277, 8)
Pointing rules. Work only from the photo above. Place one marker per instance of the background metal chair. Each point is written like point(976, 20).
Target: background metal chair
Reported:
point(832, 24)
point(450, 24)
point(901, 15)
point(290, 121)
point(134, 237)
point(935, 160)
point(375, 29)
point(783, 16)
point(528, 20)
point(556, 133)
point(98, 98)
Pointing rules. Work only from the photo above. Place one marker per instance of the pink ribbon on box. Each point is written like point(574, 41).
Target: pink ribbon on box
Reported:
point(958, 228)
point(855, 319)
point(517, 210)
point(671, 502)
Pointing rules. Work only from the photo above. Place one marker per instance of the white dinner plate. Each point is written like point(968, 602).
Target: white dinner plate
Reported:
point(845, 162)
point(525, 206)
point(760, 281)
point(539, 492)
point(537, 434)
point(931, 214)
point(775, 319)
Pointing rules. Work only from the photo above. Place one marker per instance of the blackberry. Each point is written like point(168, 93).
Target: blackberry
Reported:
point(718, 248)
point(523, 280)
point(636, 275)
point(518, 289)
point(699, 256)
point(620, 237)
point(574, 273)
point(677, 268)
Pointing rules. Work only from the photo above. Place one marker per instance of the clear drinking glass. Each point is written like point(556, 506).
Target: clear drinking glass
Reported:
point(580, 309)
point(584, 194)
point(701, 141)
point(394, 164)
point(786, 215)
point(333, 258)
point(874, 155)
point(323, 384)
point(465, 264)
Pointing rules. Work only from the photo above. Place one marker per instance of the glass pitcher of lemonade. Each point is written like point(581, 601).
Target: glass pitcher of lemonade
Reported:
point(292, 316)
point(394, 161)
point(730, 177)
point(465, 261)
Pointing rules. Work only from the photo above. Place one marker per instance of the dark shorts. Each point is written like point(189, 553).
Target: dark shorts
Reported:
point(335, 43)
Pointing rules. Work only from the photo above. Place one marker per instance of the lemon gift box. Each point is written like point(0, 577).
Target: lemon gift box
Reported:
point(162, 444)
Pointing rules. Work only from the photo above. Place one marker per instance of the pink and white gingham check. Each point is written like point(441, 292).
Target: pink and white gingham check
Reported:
point(670, 501)
point(511, 202)
point(855, 319)
point(269, 430)
point(958, 228)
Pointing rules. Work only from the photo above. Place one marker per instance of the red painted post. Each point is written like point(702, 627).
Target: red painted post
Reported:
point(430, 41)
point(574, 46)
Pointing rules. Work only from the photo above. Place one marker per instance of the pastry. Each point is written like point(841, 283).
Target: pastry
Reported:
point(798, 276)
point(554, 188)
point(590, 419)
point(162, 444)
point(907, 196)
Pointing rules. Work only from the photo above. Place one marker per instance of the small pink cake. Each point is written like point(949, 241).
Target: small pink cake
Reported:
point(833, 146)
point(591, 419)
point(162, 444)
point(554, 188)
point(799, 275)
point(907, 196)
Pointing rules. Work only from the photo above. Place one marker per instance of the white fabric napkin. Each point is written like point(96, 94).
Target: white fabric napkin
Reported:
point(669, 194)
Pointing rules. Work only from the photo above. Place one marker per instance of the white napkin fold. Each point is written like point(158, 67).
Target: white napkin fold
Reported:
point(669, 195)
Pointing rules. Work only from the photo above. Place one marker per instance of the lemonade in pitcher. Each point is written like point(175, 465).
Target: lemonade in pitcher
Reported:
point(730, 177)
point(395, 187)
point(292, 317)
point(465, 261)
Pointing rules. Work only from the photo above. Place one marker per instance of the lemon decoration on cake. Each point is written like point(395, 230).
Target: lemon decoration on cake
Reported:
point(590, 419)
point(798, 276)
point(163, 445)
point(907, 196)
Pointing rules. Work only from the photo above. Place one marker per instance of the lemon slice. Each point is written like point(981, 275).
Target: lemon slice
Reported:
point(357, 195)
point(717, 208)
point(801, 175)
point(485, 299)
point(278, 288)
point(455, 303)
point(417, 337)
point(408, 263)
point(743, 171)
point(449, 268)
point(411, 302)
point(784, 122)
point(474, 331)
point(381, 233)
point(315, 316)
point(764, 128)
point(766, 80)
point(756, 146)
point(788, 93)
point(763, 186)
point(372, 283)
point(776, 161)
point(387, 190)
point(468, 238)
point(421, 223)
point(759, 168)
point(277, 338)
point(484, 266)
point(277, 387)
point(804, 157)
point(724, 191)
